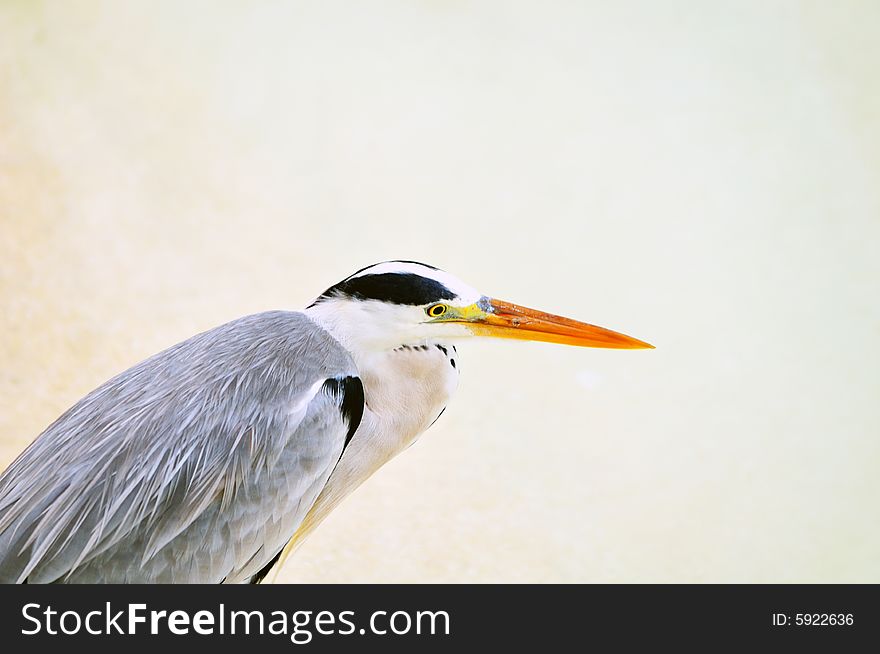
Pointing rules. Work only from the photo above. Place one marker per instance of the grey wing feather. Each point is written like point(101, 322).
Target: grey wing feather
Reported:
point(195, 465)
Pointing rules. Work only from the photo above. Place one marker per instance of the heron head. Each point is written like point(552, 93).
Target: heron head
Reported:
point(407, 303)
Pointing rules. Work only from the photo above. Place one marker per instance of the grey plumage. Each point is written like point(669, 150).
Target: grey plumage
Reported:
point(215, 459)
point(180, 469)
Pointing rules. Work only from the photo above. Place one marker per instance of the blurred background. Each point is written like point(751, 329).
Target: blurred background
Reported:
point(703, 176)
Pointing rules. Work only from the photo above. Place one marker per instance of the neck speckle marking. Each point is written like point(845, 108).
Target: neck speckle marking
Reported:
point(420, 348)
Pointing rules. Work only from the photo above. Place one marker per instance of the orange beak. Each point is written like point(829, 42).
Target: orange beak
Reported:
point(508, 320)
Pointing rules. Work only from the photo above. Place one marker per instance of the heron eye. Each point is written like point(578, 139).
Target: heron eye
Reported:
point(436, 310)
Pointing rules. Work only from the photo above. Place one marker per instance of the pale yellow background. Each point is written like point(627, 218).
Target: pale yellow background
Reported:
point(702, 175)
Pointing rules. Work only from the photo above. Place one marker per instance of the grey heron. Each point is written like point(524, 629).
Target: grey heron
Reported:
point(213, 459)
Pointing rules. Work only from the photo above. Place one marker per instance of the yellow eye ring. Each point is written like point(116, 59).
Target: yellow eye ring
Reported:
point(436, 310)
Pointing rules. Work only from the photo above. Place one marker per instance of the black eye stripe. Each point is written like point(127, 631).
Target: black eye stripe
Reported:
point(396, 288)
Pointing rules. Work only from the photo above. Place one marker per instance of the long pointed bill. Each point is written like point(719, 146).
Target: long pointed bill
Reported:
point(508, 320)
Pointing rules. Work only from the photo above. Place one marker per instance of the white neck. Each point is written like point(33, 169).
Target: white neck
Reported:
point(406, 387)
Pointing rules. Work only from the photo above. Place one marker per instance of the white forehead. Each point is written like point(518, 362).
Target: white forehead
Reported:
point(468, 294)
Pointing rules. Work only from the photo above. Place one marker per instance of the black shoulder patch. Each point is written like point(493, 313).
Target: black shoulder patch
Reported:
point(349, 391)
point(397, 288)
point(257, 578)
